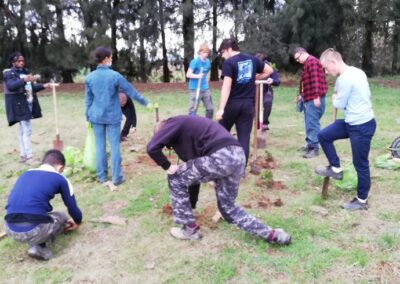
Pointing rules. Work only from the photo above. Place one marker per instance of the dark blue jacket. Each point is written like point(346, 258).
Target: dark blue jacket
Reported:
point(17, 108)
point(29, 200)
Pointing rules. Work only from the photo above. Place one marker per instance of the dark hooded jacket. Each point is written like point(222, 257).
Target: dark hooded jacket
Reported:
point(17, 108)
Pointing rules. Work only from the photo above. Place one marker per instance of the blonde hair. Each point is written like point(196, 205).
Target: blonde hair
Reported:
point(331, 55)
point(204, 47)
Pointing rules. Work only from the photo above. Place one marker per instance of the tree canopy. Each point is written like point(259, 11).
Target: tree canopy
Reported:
point(158, 36)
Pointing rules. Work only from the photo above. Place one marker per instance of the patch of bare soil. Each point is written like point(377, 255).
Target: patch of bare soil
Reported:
point(266, 163)
point(259, 200)
point(395, 84)
point(156, 87)
point(146, 160)
point(203, 218)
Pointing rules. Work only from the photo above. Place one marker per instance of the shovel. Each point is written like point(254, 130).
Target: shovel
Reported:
point(196, 101)
point(58, 143)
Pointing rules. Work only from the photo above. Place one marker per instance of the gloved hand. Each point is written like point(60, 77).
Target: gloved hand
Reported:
point(152, 106)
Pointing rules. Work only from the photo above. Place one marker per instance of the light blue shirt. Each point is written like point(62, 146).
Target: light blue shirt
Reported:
point(196, 64)
point(101, 98)
point(354, 96)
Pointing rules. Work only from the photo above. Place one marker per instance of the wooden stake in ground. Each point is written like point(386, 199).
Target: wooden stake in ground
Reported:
point(253, 166)
point(58, 143)
point(261, 142)
point(325, 184)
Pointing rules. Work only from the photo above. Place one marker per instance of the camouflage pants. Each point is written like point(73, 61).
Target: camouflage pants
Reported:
point(41, 233)
point(225, 167)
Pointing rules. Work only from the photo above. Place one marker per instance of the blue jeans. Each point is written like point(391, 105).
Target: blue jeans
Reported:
point(312, 116)
point(360, 140)
point(24, 138)
point(113, 132)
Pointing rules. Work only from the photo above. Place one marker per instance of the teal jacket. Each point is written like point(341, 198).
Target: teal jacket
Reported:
point(101, 95)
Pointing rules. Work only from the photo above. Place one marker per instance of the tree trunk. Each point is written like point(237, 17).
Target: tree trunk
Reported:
point(142, 57)
point(166, 72)
point(395, 48)
point(66, 73)
point(188, 33)
point(215, 57)
point(113, 24)
point(21, 37)
point(367, 46)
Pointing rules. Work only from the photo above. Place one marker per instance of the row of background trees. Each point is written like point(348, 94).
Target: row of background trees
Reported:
point(58, 36)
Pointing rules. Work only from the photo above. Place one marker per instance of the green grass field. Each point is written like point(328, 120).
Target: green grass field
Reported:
point(333, 247)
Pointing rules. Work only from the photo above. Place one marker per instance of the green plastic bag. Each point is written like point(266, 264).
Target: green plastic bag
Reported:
point(349, 181)
point(386, 162)
point(89, 154)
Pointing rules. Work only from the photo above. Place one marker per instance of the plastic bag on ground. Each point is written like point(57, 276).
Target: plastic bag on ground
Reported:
point(349, 181)
point(387, 162)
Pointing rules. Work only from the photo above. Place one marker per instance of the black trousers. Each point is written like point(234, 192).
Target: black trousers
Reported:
point(130, 114)
point(194, 191)
point(240, 113)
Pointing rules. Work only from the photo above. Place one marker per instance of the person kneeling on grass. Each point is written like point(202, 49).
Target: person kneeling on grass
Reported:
point(29, 218)
point(209, 153)
point(359, 125)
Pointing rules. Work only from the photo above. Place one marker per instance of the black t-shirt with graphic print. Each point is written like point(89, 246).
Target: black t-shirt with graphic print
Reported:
point(242, 68)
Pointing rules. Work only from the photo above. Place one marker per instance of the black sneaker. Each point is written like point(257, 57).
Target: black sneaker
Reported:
point(280, 237)
point(311, 153)
point(328, 172)
point(355, 204)
point(187, 233)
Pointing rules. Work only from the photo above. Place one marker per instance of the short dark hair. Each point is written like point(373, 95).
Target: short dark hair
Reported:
point(100, 53)
point(13, 57)
point(299, 49)
point(229, 43)
point(53, 158)
point(261, 56)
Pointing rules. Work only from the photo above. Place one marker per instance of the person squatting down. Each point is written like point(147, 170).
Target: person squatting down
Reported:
point(209, 153)
point(238, 90)
point(198, 70)
point(313, 88)
point(29, 218)
point(354, 97)
point(22, 103)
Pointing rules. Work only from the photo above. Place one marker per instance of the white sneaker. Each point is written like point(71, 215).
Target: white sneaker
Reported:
point(40, 253)
point(186, 233)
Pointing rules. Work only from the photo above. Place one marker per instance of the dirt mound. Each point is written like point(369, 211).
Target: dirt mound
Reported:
point(259, 200)
point(203, 218)
point(146, 160)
